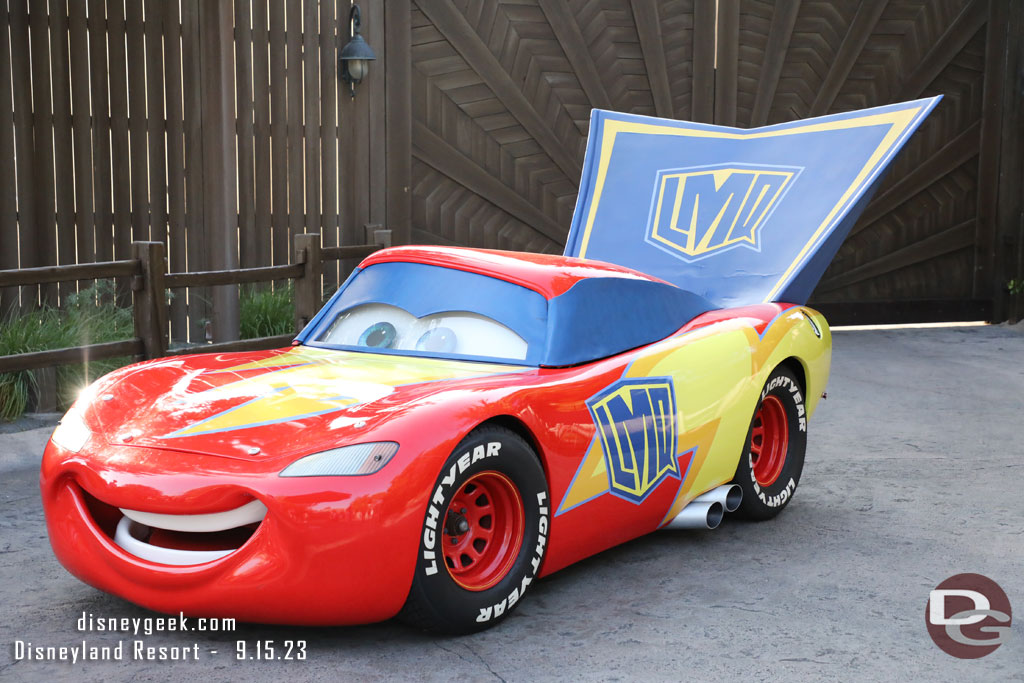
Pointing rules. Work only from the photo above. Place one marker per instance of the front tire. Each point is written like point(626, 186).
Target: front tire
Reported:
point(773, 457)
point(484, 535)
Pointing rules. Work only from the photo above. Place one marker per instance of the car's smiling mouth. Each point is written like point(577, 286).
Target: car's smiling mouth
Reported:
point(177, 540)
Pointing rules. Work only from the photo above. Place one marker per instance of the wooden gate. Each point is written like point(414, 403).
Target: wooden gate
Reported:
point(496, 98)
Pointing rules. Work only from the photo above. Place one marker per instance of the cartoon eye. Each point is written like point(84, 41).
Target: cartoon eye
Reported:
point(380, 335)
point(438, 340)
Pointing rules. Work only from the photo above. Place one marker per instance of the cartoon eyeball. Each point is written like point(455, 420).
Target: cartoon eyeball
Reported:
point(380, 335)
point(437, 340)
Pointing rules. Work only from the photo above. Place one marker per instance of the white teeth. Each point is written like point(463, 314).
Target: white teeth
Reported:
point(215, 521)
point(135, 524)
point(124, 537)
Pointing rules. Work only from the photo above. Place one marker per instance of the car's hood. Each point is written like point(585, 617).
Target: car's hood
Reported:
point(266, 404)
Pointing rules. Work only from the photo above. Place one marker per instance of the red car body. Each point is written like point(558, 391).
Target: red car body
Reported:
point(332, 550)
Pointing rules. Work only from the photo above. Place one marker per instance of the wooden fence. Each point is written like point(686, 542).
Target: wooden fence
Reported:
point(220, 128)
point(147, 277)
point(217, 127)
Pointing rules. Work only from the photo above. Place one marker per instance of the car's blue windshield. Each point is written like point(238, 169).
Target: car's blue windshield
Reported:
point(424, 310)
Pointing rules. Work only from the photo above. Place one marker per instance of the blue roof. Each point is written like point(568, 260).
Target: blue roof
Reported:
point(600, 317)
point(595, 318)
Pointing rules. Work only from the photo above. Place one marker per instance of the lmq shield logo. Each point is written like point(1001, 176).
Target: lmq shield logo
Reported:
point(636, 422)
point(698, 211)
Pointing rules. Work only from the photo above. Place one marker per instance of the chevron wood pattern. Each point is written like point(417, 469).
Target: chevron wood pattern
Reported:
point(502, 90)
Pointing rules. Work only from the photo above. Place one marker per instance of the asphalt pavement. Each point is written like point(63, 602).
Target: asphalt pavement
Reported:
point(914, 473)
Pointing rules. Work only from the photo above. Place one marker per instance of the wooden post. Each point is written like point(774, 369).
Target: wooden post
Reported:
point(45, 391)
point(1003, 148)
point(307, 287)
point(398, 117)
point(374, 89)
point(150, 300)
point(376, 234)
point(989, 147)
point(1011, 241)
point(220, 211)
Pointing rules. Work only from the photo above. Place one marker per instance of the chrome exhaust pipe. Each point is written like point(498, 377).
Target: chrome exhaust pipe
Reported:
point(707, 510)
point(698, 515)
point(729, 495)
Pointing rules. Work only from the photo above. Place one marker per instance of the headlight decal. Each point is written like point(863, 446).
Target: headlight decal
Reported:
point(71, 433)
point(359, 459)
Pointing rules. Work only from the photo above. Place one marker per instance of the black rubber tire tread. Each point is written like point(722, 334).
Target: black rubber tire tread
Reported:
point(765, 503)
point(436, 603)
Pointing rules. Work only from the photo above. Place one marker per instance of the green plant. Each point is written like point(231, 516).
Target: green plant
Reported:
point(265, 312)
point(88, 317)
point(91, 318)
point(15, 388)
point(33, 331)
point(1015, 287)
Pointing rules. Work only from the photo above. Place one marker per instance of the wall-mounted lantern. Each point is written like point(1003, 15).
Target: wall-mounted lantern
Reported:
point(356, 55)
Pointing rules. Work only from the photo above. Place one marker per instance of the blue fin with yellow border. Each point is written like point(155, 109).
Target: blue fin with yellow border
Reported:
point(736, 216)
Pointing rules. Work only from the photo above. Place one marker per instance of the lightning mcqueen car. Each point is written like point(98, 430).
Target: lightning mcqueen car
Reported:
point(457, 423)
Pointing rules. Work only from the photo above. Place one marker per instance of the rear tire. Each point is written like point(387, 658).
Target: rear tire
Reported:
point(484, 535)
point(773, 456)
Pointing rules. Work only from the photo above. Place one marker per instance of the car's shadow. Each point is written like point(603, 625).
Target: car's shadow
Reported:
point(660, 561)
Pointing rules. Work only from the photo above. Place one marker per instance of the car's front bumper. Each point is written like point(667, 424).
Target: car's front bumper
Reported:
point(330, 550)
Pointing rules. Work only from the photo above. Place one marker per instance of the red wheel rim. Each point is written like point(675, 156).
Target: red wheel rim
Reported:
point(769, 441)
point(483, 531)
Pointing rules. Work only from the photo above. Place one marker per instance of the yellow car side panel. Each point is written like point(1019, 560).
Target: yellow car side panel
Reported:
point(718, 372)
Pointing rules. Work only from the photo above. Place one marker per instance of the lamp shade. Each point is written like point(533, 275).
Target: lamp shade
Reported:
point(357, 48)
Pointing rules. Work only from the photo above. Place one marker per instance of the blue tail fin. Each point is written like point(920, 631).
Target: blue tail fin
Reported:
point(737, 216)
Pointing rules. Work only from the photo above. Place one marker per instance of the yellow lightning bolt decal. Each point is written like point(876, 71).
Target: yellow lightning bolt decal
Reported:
point(304, 382)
